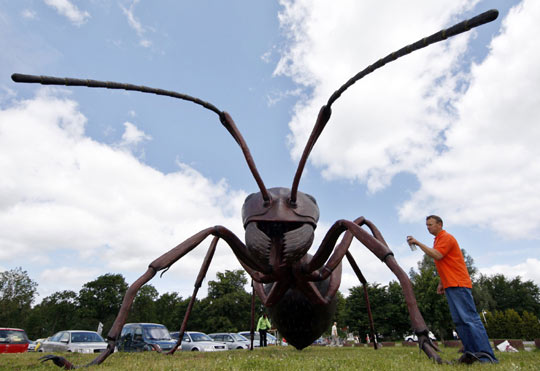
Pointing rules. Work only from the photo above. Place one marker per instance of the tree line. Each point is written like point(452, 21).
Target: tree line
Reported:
point(510, 308)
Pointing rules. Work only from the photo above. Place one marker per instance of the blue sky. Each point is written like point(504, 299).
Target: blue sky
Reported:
point(98, 181)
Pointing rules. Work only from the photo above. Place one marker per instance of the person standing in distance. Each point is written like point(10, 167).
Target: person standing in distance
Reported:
point(263, 326)
point(334, 334)
point(456, 284)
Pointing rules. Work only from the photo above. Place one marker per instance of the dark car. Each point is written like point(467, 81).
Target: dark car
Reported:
point(13, 340)
point(140, 337)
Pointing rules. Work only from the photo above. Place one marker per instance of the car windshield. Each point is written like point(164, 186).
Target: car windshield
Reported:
point(13, 337)
point(157, 333)
point(85, 337)
point(199, 336)
point(238, 337)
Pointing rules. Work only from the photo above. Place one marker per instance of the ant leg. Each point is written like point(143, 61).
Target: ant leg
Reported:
point(252, 320)
point(202, 273)
point(344, 245)
point(417, 321)
point(377, 246)
point(164, 262)
point(360, 276)
point(118, 323)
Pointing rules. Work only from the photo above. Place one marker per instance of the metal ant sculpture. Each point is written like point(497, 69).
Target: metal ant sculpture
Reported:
point(298, 289)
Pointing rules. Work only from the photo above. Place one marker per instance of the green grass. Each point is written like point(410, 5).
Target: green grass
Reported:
point(279, 359)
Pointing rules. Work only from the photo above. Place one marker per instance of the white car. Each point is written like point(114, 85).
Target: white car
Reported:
point(270, 339)
point(199, 342)
point(413, 337)
point(79, 341)
point(231, 340)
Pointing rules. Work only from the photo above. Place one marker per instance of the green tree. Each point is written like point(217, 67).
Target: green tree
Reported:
point(228, 282)
point(17, 293)
point(340, 316)
point(227, 306)
point(433, 306)
point(390, 316)
point(58, 311)
point(144, 306)
point(514, 324)
point(170, 308)
point(511, 294)
point(482, 296)
point(530, 326)
point(100, 301)
point(488, 319)
point(509, 325)
point(469, 262)
point(400, 322)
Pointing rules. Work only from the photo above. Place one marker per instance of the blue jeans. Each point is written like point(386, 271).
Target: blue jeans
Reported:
point(469, 327)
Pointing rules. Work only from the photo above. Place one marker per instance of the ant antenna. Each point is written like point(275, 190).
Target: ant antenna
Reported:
point(224, 117)
point(326, 111)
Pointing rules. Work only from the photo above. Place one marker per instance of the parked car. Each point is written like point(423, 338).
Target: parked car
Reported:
point(270, 339)
point(31, 346)
point(413, 337)
point(13, 340)
point(80, 341)
point(198, 341)
point(38, 344)
point(140, 337)
point(231, 340)
point(320, 341)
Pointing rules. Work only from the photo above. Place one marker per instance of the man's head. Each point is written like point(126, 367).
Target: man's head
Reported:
point(434, 224)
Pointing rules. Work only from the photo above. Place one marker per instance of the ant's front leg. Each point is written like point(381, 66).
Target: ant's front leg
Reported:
point(163, 263)
point(376, 244)
point(166, 260)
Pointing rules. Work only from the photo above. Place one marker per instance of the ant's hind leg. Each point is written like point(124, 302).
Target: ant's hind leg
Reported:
point(202, 273)
point(360, 276)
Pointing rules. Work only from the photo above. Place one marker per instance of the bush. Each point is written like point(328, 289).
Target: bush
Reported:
point(510, 325)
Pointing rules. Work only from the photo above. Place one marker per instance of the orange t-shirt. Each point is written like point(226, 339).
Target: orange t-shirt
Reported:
point(452, 268)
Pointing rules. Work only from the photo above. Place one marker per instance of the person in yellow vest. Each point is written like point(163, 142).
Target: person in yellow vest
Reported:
point(263, 326)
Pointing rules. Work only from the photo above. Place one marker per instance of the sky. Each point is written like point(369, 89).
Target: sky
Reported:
point(98, 181)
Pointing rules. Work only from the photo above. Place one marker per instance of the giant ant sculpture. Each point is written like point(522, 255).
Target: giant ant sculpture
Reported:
point(298, 289)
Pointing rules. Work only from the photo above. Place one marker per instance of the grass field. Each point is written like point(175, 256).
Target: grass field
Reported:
point(280, 358)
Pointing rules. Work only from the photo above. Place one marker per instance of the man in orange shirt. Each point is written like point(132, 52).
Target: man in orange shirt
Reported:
point(456, 284)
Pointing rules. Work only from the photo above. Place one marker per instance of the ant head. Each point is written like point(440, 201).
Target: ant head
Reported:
point(279, 231)
point(279, 208)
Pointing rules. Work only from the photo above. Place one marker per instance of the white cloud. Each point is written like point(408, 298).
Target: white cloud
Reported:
point(76, 204)
point(276, 96)
point(527, 270)
point(399, 118)
point(69, 278)
point(135, 24)
point(28, 14)
point(390, 118)
point(70, 11)
point(489, 175)
point(133, 136)
point(6, 93)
